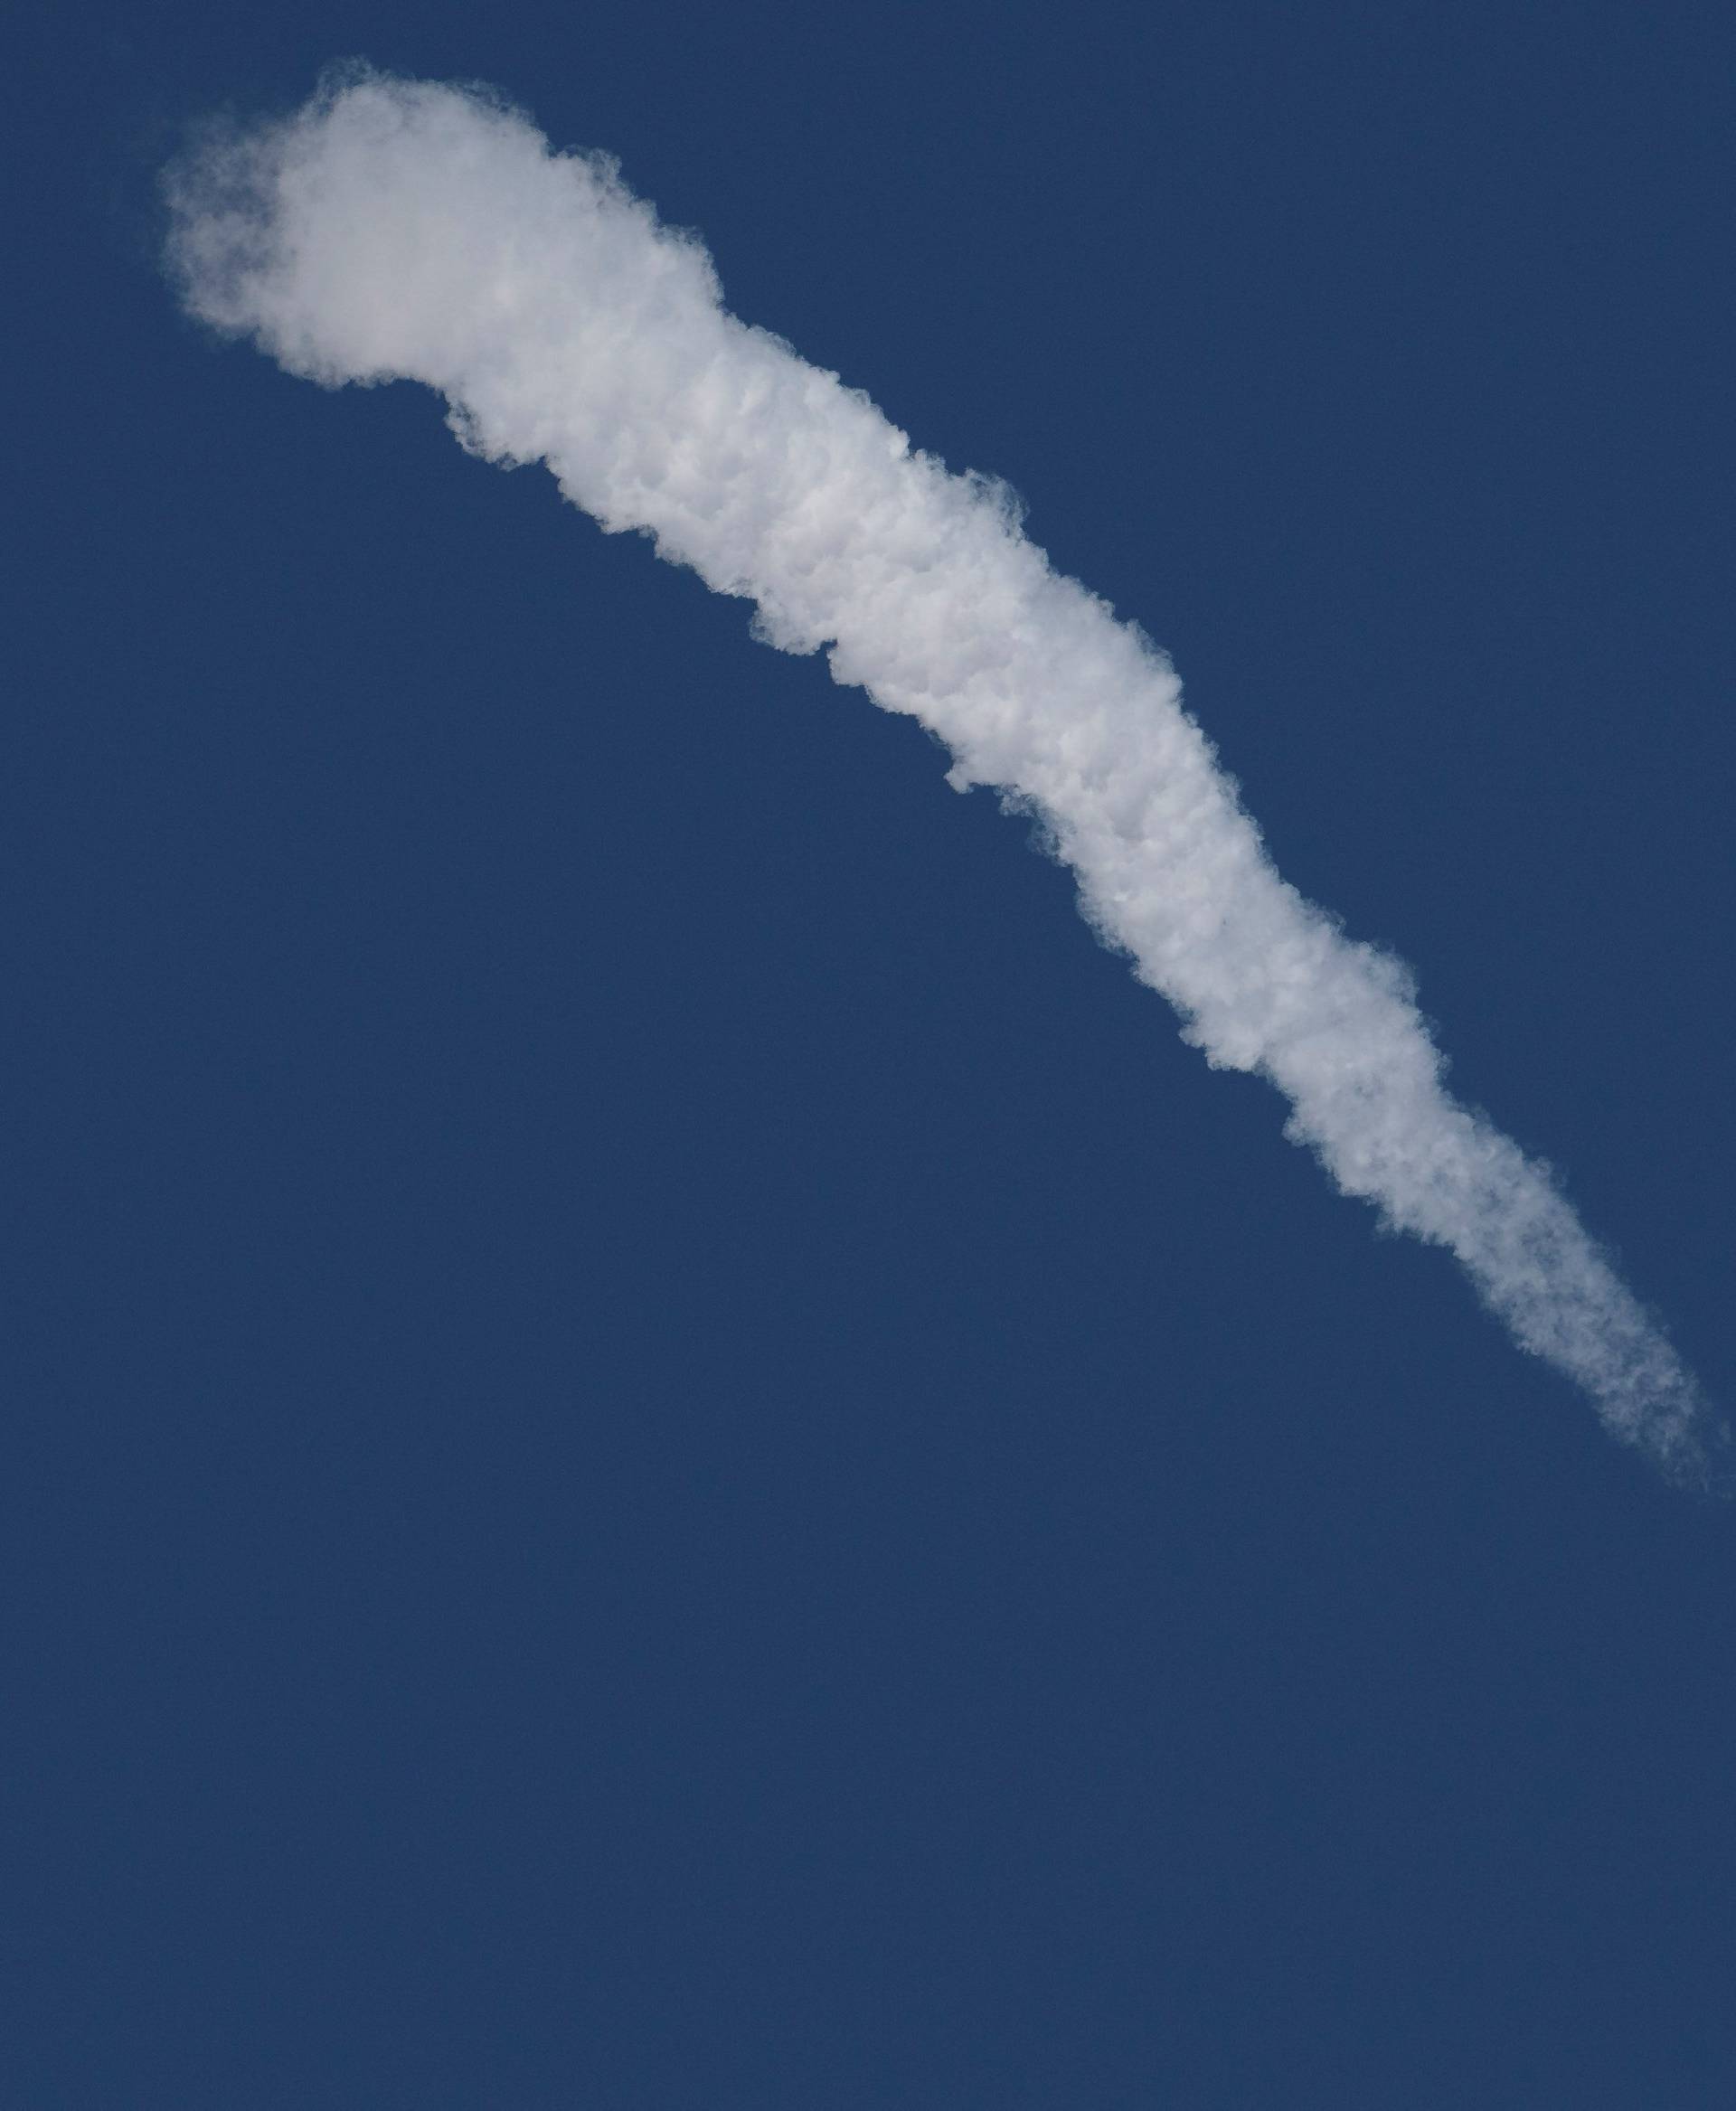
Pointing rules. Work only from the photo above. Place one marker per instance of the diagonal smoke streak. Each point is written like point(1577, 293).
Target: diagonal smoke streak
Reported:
point(393, 229)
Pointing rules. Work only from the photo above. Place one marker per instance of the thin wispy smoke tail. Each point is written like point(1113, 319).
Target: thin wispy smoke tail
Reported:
point(395, 228)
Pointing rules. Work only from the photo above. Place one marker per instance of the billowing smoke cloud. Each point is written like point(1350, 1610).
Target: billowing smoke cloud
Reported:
point(393, 229)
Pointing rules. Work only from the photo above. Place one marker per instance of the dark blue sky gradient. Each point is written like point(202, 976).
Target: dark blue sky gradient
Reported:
point(663, 1451)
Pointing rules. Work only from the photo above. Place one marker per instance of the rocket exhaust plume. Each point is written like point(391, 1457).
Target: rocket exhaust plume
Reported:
point(401, 229)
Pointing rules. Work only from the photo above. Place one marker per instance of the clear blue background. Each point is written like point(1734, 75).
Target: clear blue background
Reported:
point(661, 1449)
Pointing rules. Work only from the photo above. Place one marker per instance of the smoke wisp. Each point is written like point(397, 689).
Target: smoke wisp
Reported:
point(400, 230)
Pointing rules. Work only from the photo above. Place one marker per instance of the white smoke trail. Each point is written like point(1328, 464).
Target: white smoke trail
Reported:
point(393, 229)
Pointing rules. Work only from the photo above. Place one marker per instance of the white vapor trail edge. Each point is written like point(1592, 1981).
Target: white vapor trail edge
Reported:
point(393, 229)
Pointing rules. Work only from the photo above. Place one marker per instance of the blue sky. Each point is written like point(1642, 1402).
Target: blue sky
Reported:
point(666, 1449)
